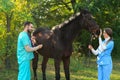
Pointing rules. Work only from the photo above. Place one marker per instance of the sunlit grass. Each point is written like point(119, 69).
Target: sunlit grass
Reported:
point(78, 70)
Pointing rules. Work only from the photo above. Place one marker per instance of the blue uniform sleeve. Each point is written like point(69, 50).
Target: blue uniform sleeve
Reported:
point(25, 40)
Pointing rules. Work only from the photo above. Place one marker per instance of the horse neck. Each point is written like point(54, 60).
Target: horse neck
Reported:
point(70, 31)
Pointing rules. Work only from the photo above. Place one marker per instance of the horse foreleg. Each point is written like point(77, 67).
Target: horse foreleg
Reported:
point(34, 65)
point(57, 69)
point(44, 62)
point(66, 63)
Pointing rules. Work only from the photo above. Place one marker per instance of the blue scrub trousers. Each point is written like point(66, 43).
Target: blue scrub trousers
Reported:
point(104, 72)
point(24, 71)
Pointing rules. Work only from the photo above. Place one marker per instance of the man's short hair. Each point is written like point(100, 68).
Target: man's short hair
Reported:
point(27, 23)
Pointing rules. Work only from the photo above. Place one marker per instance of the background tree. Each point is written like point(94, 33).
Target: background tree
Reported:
point(7, 10)
point(11, 21)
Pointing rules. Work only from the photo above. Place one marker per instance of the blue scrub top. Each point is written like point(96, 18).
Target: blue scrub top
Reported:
point(22, 54)
point(104, 58)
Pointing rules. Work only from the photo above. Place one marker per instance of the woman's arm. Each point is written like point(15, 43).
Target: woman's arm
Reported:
point(103, 45)
point(95, 52)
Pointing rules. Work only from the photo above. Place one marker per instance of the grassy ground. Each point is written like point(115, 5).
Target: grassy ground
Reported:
point(78, 70)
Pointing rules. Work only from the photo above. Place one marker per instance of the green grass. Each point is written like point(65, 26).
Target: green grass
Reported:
point(78, 70)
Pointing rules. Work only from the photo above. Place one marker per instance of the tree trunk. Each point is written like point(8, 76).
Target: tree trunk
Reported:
point(7, 59)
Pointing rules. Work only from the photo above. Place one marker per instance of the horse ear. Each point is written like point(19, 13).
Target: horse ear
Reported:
point(84, 11)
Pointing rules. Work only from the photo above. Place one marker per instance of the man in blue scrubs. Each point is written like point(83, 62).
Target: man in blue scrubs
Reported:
point(103, 53)
point(25, 52)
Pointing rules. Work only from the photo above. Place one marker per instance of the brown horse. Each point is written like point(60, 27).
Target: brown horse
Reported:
point(57, 42)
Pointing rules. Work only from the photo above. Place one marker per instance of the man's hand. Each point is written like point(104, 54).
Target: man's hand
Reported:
point(40, 46)
point(33, 40)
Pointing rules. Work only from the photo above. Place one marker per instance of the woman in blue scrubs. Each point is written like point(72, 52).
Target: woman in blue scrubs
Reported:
point(103, 52)
point(25, 52)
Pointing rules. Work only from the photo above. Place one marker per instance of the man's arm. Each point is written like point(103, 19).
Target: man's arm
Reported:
point(31, 49)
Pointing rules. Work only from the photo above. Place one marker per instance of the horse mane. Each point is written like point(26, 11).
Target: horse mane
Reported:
point(73, 17)
point(62, 25)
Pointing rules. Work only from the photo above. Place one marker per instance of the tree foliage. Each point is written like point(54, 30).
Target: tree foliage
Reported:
point(51, 12)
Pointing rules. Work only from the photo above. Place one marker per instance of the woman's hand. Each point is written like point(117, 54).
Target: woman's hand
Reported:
point(100, 33)
point(90, 47)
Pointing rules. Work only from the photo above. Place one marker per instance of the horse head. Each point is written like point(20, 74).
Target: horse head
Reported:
point(89, 23)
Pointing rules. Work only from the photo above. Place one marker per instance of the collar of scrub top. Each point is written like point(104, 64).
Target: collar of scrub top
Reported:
point(106, 39)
